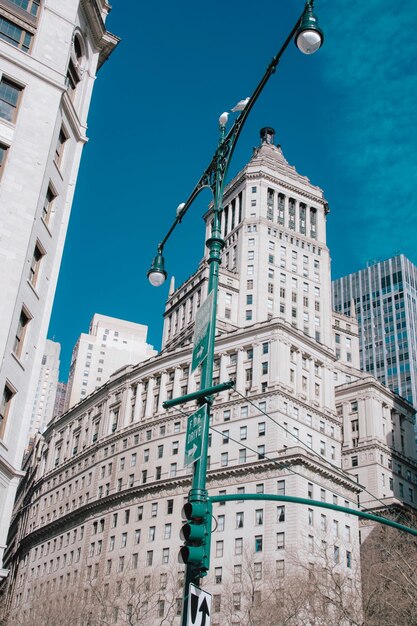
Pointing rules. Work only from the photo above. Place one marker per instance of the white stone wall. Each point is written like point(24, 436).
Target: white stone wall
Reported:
point(43, 109)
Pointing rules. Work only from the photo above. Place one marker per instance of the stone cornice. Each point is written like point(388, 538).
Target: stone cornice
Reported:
point(173, 486)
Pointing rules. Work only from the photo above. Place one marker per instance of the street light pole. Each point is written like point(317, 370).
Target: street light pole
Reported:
point(308, 38)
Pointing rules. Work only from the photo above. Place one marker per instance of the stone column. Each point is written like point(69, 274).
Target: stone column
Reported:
point(273, 361)
point(256, 367)
point(162, 390)
point(240, 371)
point(149, 398)
point(138, 400)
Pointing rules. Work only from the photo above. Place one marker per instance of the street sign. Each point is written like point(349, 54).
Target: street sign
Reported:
point(199, 607)
point(202, 331)
point(194, 435)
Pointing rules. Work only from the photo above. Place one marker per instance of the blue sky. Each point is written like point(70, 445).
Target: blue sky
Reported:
point(345, 117)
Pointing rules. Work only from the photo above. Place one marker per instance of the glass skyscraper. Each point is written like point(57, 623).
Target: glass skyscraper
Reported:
point(383, 298)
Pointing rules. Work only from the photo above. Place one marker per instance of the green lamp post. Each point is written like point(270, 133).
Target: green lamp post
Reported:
point(196, 553)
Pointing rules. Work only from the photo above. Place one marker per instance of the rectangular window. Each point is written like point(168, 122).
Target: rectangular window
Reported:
point(9, 99)
point(35, 264)
point(15, 35)
point(59, 150)
point(24, 320)
point(5, 404)
point(281, 487)
point(281, 513)
point(3, 152)
point(238, 546)
point(219, 548)
point(258, 543)
point(280, 541)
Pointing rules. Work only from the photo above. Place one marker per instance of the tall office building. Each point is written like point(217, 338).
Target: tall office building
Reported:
point(43, 408)
point(109, 345)
point(99, 512)
point(49, 56)
point(59, 406)
point(383, 297)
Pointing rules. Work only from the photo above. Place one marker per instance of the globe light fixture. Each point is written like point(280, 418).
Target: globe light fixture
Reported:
point(309, 37)
point(156, 273)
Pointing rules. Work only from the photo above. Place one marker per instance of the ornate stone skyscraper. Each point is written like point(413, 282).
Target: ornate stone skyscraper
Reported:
point(49, 56)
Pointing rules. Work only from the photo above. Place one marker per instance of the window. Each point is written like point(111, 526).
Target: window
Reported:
point(219, 548)
point(281, 487)
point(242, 455)
point(35, 264)
point(261, 429)
point(238, 546)
point(281, 513)
point(170, 507)
point(24, 319)
point(259, 517)
point(280, 568)
point(237, 573)
point(5, 404)
point(3, 151)
point(280, 541)
point(239, 519)
point(175, 447)
point(165, 555)
point(9, 99)
point(220, 523)
point(15, 35)
point(261, 451)
point(258, 543)
point(243, 433)
point(154, 510)
point(224, 459)
point(218, 575)
point(59, 150)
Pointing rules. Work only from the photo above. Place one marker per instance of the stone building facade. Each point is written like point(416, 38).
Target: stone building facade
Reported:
point(49, 56)
point(101, 502)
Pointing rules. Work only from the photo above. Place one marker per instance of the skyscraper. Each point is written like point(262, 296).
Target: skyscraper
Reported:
point(43, 408)
point(383, 298)
point(49, 56)
point(109, 345)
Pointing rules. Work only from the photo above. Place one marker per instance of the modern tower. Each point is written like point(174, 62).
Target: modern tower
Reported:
point(383, 298)
point(50, 53)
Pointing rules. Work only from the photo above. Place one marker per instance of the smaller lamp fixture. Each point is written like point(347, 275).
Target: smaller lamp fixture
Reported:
point(309, 37)
point(156, 273)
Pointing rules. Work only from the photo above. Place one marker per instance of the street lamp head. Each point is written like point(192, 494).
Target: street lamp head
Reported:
point(156, 273)
point(309, 37)
point(223, 119)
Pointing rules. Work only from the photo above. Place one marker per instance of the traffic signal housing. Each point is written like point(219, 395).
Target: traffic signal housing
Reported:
point(197, 535)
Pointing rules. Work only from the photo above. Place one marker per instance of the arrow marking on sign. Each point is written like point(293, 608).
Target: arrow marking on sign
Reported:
point(193, 450)
point(204, 610)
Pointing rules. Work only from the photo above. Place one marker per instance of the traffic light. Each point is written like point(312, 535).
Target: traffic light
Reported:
point(197, 535)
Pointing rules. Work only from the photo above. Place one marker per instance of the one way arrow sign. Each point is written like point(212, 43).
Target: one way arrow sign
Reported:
point(199, 607)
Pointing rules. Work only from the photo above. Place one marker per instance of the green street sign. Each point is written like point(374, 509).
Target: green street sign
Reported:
point(194, 435)
point(202, 331)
